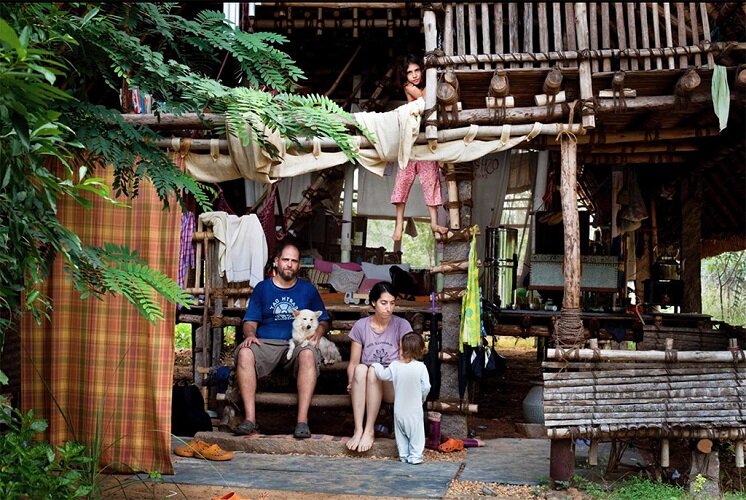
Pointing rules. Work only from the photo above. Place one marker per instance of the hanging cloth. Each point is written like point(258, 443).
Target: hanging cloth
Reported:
point(721, 95)
point(471, 322)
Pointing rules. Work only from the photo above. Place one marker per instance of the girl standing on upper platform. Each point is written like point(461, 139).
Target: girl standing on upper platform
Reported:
point(412, 81)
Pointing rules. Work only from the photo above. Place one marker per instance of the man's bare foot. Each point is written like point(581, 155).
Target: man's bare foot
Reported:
point(366, 443)
point(397, 233)
point(439, 229)
point(354, 441)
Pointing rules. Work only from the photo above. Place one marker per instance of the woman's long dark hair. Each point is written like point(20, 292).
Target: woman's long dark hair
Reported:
point(401, 69)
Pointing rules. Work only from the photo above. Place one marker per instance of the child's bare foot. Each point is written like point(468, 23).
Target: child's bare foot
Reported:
point(354, 441)
point(397, 233)
point(366, 443)
point(439, 229)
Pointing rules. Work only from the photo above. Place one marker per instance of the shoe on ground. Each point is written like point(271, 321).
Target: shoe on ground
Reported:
point(191, 449)
point(302, 431)
point(246, 427)
point(215, 453)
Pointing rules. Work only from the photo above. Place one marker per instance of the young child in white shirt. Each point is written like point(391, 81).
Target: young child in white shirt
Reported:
point(411, 386)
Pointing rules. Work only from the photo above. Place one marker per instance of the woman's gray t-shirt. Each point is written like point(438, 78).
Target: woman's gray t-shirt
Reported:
point(379, 347)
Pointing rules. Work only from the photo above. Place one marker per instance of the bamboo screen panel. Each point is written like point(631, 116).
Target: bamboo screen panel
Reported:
point(530, 28)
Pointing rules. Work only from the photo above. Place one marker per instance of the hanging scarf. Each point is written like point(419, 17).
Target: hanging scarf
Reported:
point(471, 322)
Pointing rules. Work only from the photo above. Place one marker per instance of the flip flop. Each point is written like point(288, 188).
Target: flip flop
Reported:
point(191, 449)
point(302, 431)
point(246, 427)
point(451, 445)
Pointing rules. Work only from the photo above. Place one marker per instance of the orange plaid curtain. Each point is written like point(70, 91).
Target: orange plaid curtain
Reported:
point(109, 370)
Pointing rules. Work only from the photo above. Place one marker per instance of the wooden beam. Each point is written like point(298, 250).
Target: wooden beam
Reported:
point(584, 66)
point(570, 221)
point(622, 159)
point(431, 79)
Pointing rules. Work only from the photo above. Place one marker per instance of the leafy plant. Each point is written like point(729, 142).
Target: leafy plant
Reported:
point(62, 68)
point(34, 469)
point(636, 488)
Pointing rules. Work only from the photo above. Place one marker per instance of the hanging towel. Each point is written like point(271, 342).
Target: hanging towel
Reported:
point(721, 95)
point(242, 246)
point(470, 330)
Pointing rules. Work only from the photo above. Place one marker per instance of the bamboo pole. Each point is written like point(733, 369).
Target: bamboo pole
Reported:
point(451, 266)
point(656, 35)
point(614, 431)
point(682, 356)
point(486, 43)
point(570, 26)
point(627, 395)
point(705, 47)
point(645, 34)
point(291, 399)
point(640, 377)
point(681, 32)
point(498, 23)
point(593, 453)
point(584, 66)
point(664, 453)
point(605, 33)
point(557, 27)
point(621, 33)
point(262, 24)
point(431, 79)
point(454, 219)
point(528, 31)
point(460, 30)
point(593, 26)
point(739, 453)
point(706, 37)
point(669, 35)
point(695, 31)
point(568, 175)
point(631, 23)
point(448, 31)
point(473, 47)
point(513, 28)
point(452, 407)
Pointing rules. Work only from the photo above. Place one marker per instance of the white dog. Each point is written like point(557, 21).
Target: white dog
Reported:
point(304, 326)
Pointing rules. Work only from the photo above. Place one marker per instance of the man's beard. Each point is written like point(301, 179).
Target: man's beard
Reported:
point(286, 274)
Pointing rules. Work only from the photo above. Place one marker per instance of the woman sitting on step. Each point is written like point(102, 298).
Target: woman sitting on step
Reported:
point(375, 339)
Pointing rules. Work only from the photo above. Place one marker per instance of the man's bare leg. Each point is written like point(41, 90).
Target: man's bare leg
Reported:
point(437, 228)
point(399, 228)
point(357, 396)
point(246, 378)
point(373, 396)
point(306, 382)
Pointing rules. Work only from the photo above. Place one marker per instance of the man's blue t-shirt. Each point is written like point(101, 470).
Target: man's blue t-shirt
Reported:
point(272, 307)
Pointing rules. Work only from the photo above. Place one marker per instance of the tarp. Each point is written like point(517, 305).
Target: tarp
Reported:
point(394, 132)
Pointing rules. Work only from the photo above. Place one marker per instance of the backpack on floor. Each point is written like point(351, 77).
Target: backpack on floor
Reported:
point(188, 415)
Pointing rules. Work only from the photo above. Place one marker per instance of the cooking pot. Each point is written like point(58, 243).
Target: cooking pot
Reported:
point(667, 269)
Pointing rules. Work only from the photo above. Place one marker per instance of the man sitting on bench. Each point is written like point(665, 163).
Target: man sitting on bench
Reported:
point(266, 330)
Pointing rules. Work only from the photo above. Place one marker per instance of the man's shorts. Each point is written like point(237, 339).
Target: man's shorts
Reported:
point(273, 353)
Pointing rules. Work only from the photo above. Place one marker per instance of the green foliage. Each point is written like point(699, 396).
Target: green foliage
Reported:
point(62, 66)
point(183, 336)
point(724, 287)
point(637, 488)
point(33, 469)
point(419, 251)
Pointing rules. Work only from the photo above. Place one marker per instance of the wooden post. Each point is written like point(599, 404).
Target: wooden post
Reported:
point(453, 211)
point(584, 65)
point(561, 461)
point(664, 453)
point(431, 78)
point(593, 452)
point(739, 453)
point(691, 234)
point(568, 176)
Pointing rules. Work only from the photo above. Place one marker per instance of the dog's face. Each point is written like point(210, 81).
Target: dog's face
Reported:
point(305, 321)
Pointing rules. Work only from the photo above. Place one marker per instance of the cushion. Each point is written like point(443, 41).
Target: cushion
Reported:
point(367, 284)
point(344, 280)
point(325, 266)
point(381, 271)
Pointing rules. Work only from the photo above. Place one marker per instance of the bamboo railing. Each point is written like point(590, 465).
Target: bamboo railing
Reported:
point(620, 34)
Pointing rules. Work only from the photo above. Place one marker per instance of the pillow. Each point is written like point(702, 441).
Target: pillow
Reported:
point(326, 267)
point(344, 280)
point(367, 284)
point(381, 271)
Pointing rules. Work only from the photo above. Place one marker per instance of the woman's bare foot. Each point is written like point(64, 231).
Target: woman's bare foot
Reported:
point(366, 442)
point(354, 441)
point(439, 229)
